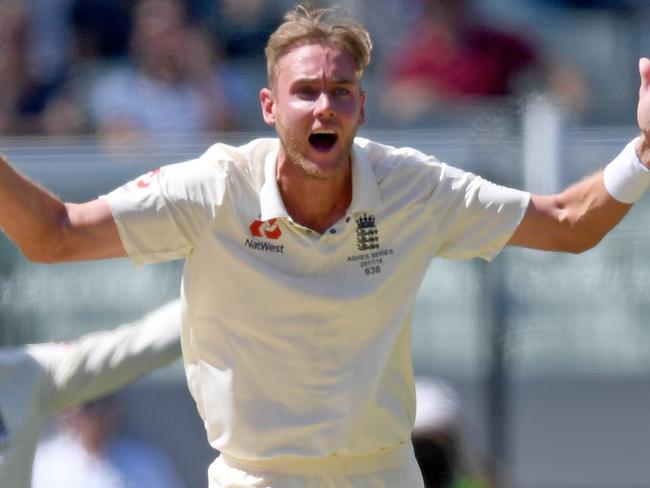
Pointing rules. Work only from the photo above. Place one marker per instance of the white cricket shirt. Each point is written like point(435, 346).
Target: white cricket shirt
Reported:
point(296, 343)
point(38, 381)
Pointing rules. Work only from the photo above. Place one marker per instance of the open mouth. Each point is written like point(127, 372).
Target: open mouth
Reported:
point(323, 140)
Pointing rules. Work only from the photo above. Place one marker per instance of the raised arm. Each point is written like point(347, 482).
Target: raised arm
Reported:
point(579, 217)
point(48, 230)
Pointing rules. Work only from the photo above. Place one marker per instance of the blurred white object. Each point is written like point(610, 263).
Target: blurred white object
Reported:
point(437, 404)
point(543, 122)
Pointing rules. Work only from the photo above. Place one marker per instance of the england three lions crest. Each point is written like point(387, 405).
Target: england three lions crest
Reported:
point(367, 233)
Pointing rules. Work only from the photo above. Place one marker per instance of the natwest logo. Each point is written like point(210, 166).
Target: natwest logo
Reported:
point(269, 229)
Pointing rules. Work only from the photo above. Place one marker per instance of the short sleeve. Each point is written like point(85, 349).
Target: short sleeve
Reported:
point(160, 216)
point(474, 217)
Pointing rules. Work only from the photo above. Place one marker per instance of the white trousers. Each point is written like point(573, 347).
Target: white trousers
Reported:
point(392, 470)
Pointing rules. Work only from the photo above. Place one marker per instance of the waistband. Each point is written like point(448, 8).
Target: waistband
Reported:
point(336, 464)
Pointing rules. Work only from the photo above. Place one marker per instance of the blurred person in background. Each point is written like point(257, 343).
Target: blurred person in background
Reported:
point(388, 21)
point(45, 68)
point(40, 380)
point(243, 26)
point(88, 450)
point(436, 432)
point(453, 57)
point(441, 452)
point(171, 83)
point(96, 42)
point(25, 89)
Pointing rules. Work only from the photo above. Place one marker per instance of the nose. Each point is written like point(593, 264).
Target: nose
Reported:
point(323, 106)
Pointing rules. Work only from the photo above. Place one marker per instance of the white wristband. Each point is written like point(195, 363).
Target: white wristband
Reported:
point(626, 178)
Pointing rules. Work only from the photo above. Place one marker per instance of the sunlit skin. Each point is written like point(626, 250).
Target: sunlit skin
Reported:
point(643, 112)
point(316, 90)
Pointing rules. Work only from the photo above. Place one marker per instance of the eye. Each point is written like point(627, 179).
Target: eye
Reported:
point(306, 92)
point(341, 92)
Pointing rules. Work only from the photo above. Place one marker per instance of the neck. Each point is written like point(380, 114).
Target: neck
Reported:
point(314, 202)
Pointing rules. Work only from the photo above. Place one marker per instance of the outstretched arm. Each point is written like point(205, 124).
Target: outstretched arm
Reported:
point(579, 217)
point(572, 221)
point(46, 229)
point(101, 362)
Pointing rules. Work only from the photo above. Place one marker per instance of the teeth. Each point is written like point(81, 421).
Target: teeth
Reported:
point(323, 131)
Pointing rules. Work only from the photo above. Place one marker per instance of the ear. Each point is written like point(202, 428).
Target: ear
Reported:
point(362, 108)
point(268, 103)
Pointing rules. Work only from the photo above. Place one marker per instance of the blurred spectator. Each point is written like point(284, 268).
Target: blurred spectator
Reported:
point(98, 38)
point(453, 57)
point(50, 35)
point(172, 83)
point(437, 438)
point(241, 28)
point(388, 21)
point(25, 91)
point(244, 26)
point(90, 452)
point(436, 432)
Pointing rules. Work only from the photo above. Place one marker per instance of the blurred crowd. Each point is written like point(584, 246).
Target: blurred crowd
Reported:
point(88, 448)
point(128, 68)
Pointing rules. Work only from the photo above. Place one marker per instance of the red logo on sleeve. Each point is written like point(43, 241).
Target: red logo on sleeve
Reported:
point(146, 180)
point(269, 229)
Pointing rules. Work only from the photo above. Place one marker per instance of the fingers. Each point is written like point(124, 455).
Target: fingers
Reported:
point(644, 71)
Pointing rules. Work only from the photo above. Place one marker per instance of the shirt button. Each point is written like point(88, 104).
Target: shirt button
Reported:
point(347, 219)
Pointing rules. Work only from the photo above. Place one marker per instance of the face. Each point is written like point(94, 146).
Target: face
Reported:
point(158, 34)
point(316, 106)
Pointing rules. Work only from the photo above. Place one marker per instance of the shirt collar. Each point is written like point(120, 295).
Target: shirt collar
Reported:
point(271, 204)
point(365, 193)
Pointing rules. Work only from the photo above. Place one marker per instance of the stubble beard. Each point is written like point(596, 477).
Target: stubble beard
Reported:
point(291, 148)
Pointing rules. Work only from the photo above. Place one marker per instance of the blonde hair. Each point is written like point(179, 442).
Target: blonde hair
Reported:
point(306, 24)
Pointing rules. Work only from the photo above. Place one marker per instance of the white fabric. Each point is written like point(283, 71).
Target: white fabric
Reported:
point(296, 343)
point(335, 464)
point(38, 381)
point(626, 178)
point(224, 474)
